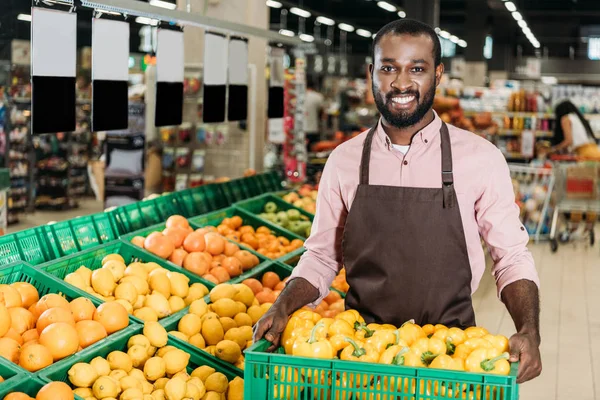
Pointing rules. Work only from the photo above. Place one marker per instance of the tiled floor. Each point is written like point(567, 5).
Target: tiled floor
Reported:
point(570, 323)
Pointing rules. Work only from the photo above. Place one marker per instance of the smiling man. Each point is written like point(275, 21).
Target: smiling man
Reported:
point(404, 206)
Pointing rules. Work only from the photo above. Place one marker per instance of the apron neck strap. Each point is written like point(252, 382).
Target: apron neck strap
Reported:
point(447, 176)
point(366, 157)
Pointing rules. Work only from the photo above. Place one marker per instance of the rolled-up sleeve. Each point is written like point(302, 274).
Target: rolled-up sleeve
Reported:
point(323, 257)
point(498, 219)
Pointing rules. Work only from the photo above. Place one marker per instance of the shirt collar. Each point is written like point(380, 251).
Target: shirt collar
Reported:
point(425, 135)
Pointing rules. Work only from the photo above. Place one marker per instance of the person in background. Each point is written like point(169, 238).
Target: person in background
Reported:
point(573, 132)
point(313, 111)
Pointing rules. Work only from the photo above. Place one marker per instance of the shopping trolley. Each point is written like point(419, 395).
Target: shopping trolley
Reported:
point(533, 189)
point(577, 197)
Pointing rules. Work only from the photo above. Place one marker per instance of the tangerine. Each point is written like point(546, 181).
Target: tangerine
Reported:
point(159, 244)
point(28, 292)
point(54, 315)
point(61, 339)
point(177, 221)
point(112, 315)
point(55, 391)
point(90, 332)
point(195, 241)
point(176, 234)
point(35, 357)
point(82, 309)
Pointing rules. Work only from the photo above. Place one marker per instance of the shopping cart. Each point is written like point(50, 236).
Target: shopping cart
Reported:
point(533, 190)
point(577, 197)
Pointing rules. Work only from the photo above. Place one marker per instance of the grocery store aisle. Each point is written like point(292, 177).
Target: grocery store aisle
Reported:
point(570, 327)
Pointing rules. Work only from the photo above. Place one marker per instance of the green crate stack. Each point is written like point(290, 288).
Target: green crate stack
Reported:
point(46, 283)
point(142, 214)
point(92, 259)
point(119, 343)
point(270, 181)
point(215, 218)
point(29, 245)
point(200, 200)
point(13, 376)
point(235, 190)
point(25, 384)
point(82, 233)
point(273, 376)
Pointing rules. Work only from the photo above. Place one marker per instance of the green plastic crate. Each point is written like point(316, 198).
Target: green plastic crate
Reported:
point(13, 376)
point(24, 384)
point(235, 190)
point(29, 245)
point(215, 218)
point(82, 233)
point(93, 260)
point(270, 181)
point(119, 343)
point(200, 200)
point(272, 376)
point(145, 213)
point(46, 283)
point(282, 270)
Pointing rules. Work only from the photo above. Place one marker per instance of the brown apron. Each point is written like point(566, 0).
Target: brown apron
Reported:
point(404, 250)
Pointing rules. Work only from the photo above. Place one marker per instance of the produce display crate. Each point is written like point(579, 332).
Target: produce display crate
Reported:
point(29, 245)
point(119, 342)
point(46, 283)
point(280, 269)
point(270, 181)
point(235, 190)
point(215, 218)
point(93, 260)
point(24, 384)
point(256, 205)
point(82, 233)
point(274, 376)
point(14, 377)
point(145, 213)
point(200, 200)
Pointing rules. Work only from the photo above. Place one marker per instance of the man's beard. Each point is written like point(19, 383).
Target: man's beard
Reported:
point(403, 119)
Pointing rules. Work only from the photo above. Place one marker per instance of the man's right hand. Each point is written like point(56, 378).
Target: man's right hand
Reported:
point(271, 326)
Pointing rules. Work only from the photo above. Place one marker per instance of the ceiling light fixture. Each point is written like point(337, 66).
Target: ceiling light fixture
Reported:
point(306, 38)
point(325, 20)
point(374, 36)
point(300, 12)
point(286, 32)
point(387, 6)
point(510, 6)
point(24, 17)
point(462, 43)
point(526, 30)
point(363, 33)
point(437, 30)
point(401, 14)
point(163, 4)
point(274, 4)
point(147, 21)
point(522, 23)
point(445, 34)
point(346, 27)
point(517, 16)
point(454, 39)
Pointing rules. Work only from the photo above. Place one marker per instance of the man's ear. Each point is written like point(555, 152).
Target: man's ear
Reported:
point(371, 70)
point(439, 72)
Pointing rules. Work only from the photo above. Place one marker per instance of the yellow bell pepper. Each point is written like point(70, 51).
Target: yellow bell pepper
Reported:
point(288, 344)
point(410, 332)
point(452, 337)
point(293, 324)
point(475, 332)
point(383, 339)
point(394, 355)
point(308, 315)
point(438, 327)
point(340, 327)
point(389, 327)
point(359, 351)
point(289, 383)
point(313, 346)
point(338, 342)
point(498, 341)
point(463, 350)
point(428, 349)
point(321, 383)
point(488, 360)
point(444, 361)
point(428, 329)
point(350, 381)
point(352, 317)
point(414, 359)
point(363, 332)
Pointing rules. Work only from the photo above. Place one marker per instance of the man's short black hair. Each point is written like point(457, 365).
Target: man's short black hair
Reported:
point(414, 28)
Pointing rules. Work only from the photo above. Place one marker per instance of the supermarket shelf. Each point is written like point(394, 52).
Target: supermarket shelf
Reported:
point(513, 132)
point(516, 156)
point(512, 114)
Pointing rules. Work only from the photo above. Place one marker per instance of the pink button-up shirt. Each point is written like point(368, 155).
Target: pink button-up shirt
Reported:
point(483, 187)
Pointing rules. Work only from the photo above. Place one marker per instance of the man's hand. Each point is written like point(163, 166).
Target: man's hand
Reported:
point(524, 347)
point(271, 326)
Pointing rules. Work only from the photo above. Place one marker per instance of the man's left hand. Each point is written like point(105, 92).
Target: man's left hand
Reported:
point(524, 347)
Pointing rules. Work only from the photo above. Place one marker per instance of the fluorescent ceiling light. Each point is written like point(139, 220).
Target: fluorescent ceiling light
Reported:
point(286, 32)
point(363, 33)
point(401, 14)
point(445, 34)
point(273, 4)
point(163, 4)
point(325, 20)
point(437, 30)
point(454, 39)
point(462, 43)
point(346, 27)
point(374, 35)
point(387, 6)
point(536, 45)
point(510, 6)
point(517, 16)
point(522, 23)
point(147, 21)
point(300, 12)
point(307, 38)
point(108, 12)
point(24, 17)
point(549, 80)
point(526, 30)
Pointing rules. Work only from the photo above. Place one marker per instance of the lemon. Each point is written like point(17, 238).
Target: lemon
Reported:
point(86, 274)
point(138, 355)
point(203, 372)
point(212, 330)
point(140, 284)
point(196, 292)
point(76, 280)
point(216, 382)
point(228, 350)
point(119, 360)
point(128, 382)
point(236, 335)
point(156, 334)
point(127, 305)
point(158, 303)
point(179, 284)
point(138, 374)
point(175, 361)
point(159, 394)
point(82, 375)
point(213, 396)
point(235, 391)
point(164, 350)
point(151, 351)
point(227, 323)
point(140, 340)
point(116, 268)
point(158, 282)
point(244, 294)
point(139, 303)
point(106, 386)
point(176, 303)
point(255, 313)
point(198, 341)
point(118, 374)
point(151, 266)
point(132, 394)
point(225, 308)
point(126, 291)
point(146, 314)
point(194, 391)
point(182, 375)
point(198, 307)
point(175, 389)
point(154, 368)
point(103, 282)
point(147, 387)
point(136, 269)
point(243, 319)
point(160, 383)
point(101, 366)
point(222, 291)
point(190, 324)
point(83, 392)
point(113, 256)
point(180, 336)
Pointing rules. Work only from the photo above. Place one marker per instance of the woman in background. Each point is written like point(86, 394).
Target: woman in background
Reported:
point(573, 132)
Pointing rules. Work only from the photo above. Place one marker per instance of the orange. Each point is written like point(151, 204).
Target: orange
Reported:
point(10, 349)
point(13, 334)
point(55, 391)
point(159, 244)
point(31, 334)
point(224, 230)
point(177, 221)
point(270, 279)
point(112, 315)
point(263, 229)
point(236, 221)
point(48, 301)
point(12, 298)
point(28, 292)
point(265, 297)
point(17, 396)
point(82, 309)
point(246, 258)
point(211, 278)
point(90, 332)
point(254, 284)
point(233, 266)
point(60, 339)
point(230, 249)
point(250, 240)
point(246, 229)
point(279, 286)
point(332, 297)
point(194, 242)
point(215, 243)
point(178, 257)
point(221, 274)
point(35, 357)
point(297, 243)
point(176, 234)
point(138, 241)
point(197, 263)
point(53, 315)
point(5, 320)
point(22, 320)
point(226, 222)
